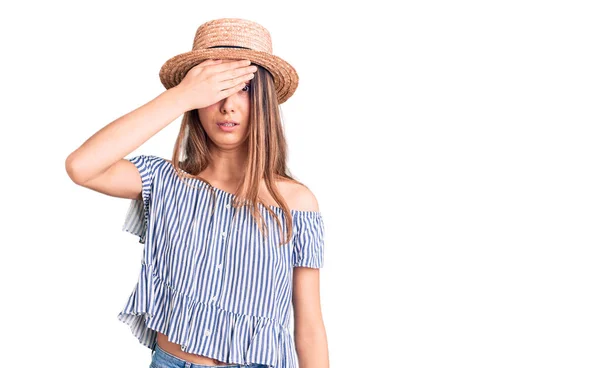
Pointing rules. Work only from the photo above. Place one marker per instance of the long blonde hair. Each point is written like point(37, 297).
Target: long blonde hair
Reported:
point(266, 158)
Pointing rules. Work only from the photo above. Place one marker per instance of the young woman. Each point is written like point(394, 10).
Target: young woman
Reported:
point(231, 240)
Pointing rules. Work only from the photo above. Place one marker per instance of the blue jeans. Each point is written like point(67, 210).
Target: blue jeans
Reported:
point(162, 359)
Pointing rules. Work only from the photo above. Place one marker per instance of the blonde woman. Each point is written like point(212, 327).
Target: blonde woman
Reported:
point(232, 242)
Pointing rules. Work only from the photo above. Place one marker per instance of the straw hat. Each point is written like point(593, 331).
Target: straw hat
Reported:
point(232, 38)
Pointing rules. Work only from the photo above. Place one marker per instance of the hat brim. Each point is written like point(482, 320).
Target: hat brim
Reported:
point(285, 76)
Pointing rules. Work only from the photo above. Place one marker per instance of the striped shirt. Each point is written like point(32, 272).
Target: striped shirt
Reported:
point(213, 283)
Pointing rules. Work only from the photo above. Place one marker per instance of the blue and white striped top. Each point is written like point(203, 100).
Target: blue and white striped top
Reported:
point(213, 285)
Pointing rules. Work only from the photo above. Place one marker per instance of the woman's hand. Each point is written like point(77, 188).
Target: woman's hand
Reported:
point(214, 80)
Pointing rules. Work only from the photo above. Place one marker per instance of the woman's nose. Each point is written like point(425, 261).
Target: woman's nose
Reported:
point(227, 105)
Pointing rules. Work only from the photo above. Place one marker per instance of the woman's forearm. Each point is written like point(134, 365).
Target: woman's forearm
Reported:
point(312, 348)
point(124, 135)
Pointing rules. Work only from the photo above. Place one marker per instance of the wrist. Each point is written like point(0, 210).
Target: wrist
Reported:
point(177, 97)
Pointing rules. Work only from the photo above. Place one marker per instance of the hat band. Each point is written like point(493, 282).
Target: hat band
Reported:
point(230, 47)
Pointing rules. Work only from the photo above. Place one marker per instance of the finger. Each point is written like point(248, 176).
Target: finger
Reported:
point(229, 66)
point(205, 63)
point(228, 92)
point(208, 62)
point(235, 74)
point(229, 83)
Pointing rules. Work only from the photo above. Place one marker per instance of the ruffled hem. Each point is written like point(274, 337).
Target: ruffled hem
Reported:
point(204, 329)
point(136, 221)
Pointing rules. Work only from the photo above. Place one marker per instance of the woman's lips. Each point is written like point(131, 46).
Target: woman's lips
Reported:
point(227, 127)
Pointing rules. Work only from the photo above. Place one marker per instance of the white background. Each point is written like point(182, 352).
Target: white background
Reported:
point(452, 146)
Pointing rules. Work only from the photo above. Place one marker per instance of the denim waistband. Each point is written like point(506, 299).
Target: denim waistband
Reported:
point(163, 359)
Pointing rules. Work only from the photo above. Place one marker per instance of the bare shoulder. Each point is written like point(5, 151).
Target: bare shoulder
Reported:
point(299, 197)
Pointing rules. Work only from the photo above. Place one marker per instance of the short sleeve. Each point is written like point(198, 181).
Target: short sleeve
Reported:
point(136, 219)
point(308, 241)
